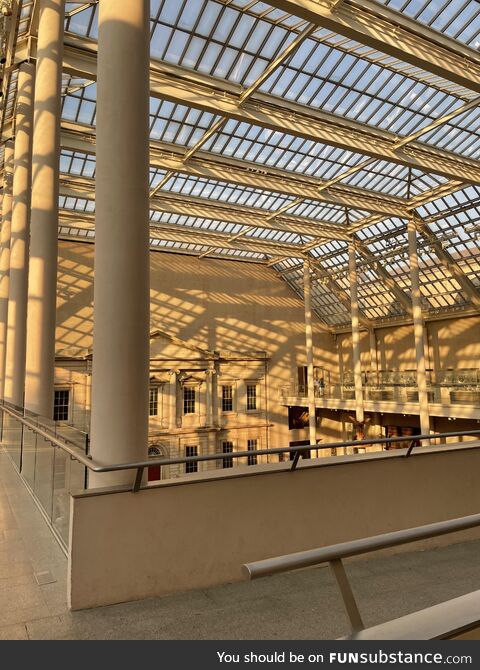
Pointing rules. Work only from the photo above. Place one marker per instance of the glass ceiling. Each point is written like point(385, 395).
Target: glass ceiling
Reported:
point(347, 141)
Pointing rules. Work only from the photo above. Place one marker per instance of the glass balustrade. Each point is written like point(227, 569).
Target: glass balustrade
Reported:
point(457, 387)
point(50, 473)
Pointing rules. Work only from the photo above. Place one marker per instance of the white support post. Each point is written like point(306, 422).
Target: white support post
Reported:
point(307, 290)
point(418, 329)
point(22, 181)
point(121, 341)
point(5, 239)
point(42, 280)
point(357, 367)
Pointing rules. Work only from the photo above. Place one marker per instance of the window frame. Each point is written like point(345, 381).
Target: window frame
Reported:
point(252, 458)
point(189, 402)
point(226, 399)
point(250, 385)
point(227, 462)
point(56, 406)
point(190, 468)
point(155, 390)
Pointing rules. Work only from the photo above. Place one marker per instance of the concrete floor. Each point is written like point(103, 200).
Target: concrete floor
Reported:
point(300, 605)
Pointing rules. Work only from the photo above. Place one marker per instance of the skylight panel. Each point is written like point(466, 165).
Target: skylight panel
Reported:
point(326, 78)
point(455, 18)
point(215, 39)
point(84, 22)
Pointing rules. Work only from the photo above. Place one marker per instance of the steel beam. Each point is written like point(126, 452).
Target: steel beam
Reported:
point(342, 295)
point(187, 205)
point(190, 235)
point(169, 157)
point(216, 96)
point(392, 33)
point(448, 262)
point(386, 278)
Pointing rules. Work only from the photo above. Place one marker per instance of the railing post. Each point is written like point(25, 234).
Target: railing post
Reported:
point(295, 460)
point(351, 608)
point(138, 480)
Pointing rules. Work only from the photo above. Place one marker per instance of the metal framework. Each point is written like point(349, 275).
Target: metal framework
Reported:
point(283, 131)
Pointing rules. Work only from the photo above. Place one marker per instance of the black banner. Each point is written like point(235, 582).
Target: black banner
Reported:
point(231, 654)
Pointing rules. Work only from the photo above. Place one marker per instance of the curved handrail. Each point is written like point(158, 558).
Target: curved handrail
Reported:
point(334, 555)
point(139, 466)
point(305, 559)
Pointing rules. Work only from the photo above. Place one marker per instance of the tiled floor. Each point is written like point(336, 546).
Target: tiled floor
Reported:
point(301, 605)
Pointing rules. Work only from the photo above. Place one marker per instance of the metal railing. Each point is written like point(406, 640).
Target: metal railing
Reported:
point(437, 393)
point(296, 450)
point(52, 467)
point(334, 555)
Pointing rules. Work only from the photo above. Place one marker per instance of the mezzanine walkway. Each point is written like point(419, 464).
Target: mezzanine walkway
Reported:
point(301, 605)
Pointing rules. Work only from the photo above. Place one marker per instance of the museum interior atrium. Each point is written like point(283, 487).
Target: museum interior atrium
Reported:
point(239, 271)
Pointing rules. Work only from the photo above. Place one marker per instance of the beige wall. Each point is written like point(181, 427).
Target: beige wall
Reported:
point(127, 546)
point(452, 343)
point(216, 305)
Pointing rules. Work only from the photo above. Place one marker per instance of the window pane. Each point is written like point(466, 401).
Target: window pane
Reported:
point(227, 398)
point(227, 448)
point(252, 445)
point(60, 405)
point(153, 405)
point(188, 400)
point(191, 451)
point(251, 397)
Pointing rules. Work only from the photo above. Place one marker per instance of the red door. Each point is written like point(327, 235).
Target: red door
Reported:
point(154, 473)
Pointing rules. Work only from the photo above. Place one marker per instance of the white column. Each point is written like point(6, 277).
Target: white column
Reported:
point(215, 398)
point(373, 354)
point(5, 238)
point(208, 399)
point(418, 329)
point(307, 291)
point(172, 400)
point(357, 367)
point(42, 280)
point(121, 345)
point(22, 180)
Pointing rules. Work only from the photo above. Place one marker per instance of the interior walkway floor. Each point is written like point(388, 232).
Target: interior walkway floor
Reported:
point(301, 605)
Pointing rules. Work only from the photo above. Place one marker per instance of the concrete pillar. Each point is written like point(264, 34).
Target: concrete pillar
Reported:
point(42, 280)
point(418, 330)
point(5, 238)
point(339, 347)
point(172, 400)
point(357, 367)
point(22, 180)
point(121, 344)
point(208, 399)
point(373, 356)
point(307, 291)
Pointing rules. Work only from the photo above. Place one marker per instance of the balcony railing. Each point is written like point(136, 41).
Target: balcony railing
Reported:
point(445, 394)
point(53, 465)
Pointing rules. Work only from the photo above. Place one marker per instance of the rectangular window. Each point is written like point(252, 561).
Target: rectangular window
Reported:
point(252, 445)
point(251, 397)
point(188, 400)
point(153, 403)
point(191, 467)
point(61, 403)
point(227, 448)
point(227, 398)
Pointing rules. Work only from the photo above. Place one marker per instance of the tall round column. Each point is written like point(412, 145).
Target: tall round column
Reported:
point(307, 293)
point(120, 379)
point(22, 180)
point(5, 238)
point(418, 330)
point(357, 366)
point(42, 280)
